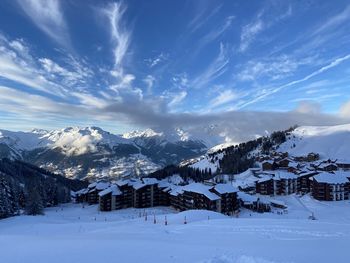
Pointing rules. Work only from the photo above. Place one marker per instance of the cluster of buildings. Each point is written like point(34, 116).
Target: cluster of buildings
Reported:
point(150, 192)
point(277, 175)
point(327, 180)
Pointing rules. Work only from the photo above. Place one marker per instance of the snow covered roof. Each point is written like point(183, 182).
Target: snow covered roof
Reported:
point(82, 191)
point(264, 179)
point(114, 189)
point(164, 184)
point(285, 175)
point(201, 189)
point(92, 185)
point(247, 198)
point(176, 190)
point(150, 181)
point(329, 178)
point(225, 188)
point(122, 182)
point(102, 185)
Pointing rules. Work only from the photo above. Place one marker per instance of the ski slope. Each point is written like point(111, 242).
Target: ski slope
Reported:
point(76, 234)
point(328, 141)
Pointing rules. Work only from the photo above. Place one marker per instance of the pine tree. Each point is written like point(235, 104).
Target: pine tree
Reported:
point(34, 204)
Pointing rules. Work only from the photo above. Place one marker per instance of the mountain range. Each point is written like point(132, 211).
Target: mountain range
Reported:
point(91, 153)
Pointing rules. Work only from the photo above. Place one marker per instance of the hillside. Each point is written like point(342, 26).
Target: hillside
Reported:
point(330, 142)
point(20, 181)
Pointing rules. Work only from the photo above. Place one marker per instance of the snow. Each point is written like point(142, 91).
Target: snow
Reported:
point(112, 189)
point(337, 178)
point(225, 188)
point(201, 189)
point(73, 235)
point(329, 141)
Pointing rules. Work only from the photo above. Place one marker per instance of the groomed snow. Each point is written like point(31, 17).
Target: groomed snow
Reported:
point(73, 235)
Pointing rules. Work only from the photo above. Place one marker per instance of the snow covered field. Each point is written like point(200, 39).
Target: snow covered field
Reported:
point(71, 234)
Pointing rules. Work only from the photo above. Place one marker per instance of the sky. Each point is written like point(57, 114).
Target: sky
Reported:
point(124, 65)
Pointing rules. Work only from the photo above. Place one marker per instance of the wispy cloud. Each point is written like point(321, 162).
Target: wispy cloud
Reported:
point(268, 92)
point(217, 32)
point(214, 70)
point(177, 98)
point(120, 36)
point(202, 17)
point(334, 21)
point(152, 62)
point(223, 98)
point(149, 80)
point(48, 16)
point(249, 33)
point(274, 68)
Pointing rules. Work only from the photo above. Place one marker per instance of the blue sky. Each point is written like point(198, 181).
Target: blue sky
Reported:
point(133, 64)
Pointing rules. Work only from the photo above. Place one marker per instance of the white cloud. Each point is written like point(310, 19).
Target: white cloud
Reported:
point(47, 15)
point(120, 36)
point(334, 21)
point(177, 98)
point(217, 32)
point(345, 110)
point(223, 98)
point(274, 68)
point(149, 80)
point(152, 62)
point(249, 33)
point(215, 69)
point(267, 92)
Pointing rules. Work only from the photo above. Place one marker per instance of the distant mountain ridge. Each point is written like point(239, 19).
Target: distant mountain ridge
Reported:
point(91, 152)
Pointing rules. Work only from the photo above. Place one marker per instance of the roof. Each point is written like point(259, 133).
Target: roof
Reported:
point(201, 189)
point(150, 181)
point(176, 190)
point(329, 178)
point(225, 188)
point(114, 189)
point(285, 175)
point(102, 185)
point(92, 185)
point(122, 182)
point(247, 198)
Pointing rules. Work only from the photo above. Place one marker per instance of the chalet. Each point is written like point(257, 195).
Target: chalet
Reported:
point(268, 165)
point(265, 186)
point(125, 186)
point(228, 196)
point(285, 183)
point(304, 182)
point(81, 196)
point(110, 199)
point(143, 192)
point(199, 196)
point(254, 203)
point(94, 189)
point(283, 163)
point(344, 165)
point(327, 167)
point(330, 187)
point(175, 197)
point(162, 193)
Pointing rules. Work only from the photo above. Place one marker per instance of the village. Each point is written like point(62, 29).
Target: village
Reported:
point(277, 174)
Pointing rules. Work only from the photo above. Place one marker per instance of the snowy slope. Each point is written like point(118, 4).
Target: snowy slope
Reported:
point(75, 234)
point(328, 141)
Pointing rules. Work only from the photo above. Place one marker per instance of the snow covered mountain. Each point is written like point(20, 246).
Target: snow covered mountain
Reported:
point(330, 142)
point(91, 152)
